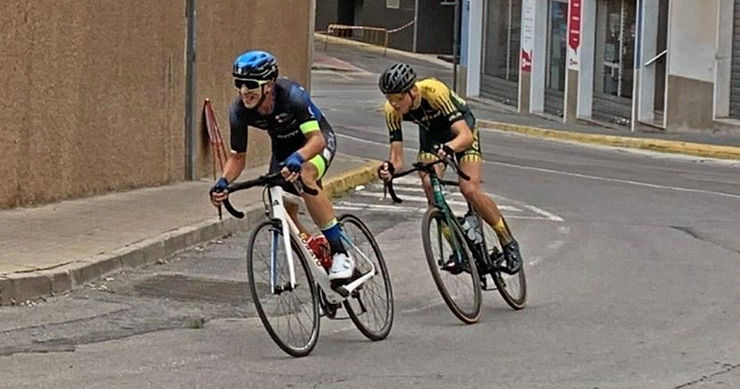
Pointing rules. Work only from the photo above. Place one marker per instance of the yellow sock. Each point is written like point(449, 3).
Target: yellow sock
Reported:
point(502, 230)
point(447, 233)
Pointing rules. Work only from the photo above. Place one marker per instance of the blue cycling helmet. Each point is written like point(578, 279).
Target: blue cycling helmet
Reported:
point(256, 65)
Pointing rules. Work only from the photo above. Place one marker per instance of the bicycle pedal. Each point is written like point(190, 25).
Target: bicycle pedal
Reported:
point(329, 311)
point(487, 288)
point(338, 286)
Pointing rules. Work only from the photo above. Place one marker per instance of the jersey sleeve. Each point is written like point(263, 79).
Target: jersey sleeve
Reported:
point(306, 114)
point(393, 121)
point(440, 98)
point(238, 128)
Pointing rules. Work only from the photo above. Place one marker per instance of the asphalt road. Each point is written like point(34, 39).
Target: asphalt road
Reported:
point(632, 261)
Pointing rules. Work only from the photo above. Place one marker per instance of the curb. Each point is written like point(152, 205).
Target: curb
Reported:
point(661, 145)
point(19, 287)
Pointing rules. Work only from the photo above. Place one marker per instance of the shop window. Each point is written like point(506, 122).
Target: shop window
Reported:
point(502, 39)
point(615, 47)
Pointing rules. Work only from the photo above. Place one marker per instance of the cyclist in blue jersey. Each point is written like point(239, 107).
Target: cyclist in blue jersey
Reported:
point(303, 143)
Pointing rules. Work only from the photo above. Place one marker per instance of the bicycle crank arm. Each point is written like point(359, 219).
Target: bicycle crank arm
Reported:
point(345, 290)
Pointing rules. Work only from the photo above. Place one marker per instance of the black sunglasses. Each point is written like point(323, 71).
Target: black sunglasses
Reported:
point(250, 84)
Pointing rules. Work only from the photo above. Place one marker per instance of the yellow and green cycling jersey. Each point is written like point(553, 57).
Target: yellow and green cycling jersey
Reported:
point(439, 109)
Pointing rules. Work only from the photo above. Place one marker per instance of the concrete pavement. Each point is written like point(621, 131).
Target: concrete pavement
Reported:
point(57, 247)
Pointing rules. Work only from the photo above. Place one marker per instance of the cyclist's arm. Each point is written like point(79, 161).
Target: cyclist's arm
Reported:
point(463, 136)
point(234, 166)
point(393, 122)
point(315, 141)
point(308, 115)
point(239, 136)
point(396, 155)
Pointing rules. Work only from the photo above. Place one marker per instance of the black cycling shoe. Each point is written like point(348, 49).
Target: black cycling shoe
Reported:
point(512, 256)
point(452, 266)
point(455, 267)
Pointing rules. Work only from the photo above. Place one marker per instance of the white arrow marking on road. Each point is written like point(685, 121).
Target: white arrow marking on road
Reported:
point(548, 215)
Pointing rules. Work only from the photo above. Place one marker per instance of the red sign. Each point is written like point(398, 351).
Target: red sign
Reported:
point(574, 25)
point(526, 61)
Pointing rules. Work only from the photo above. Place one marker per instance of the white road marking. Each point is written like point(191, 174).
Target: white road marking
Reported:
point(463, 204)
point(555, 244)
point(564, 230)
point(534, 261)
point(409, 210)
point(548, 215)
point(586, 176)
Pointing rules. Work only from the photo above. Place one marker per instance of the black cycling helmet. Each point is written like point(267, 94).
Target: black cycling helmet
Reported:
point(398, 78)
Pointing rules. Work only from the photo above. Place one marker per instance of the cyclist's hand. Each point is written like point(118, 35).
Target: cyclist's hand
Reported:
point(218, 191)
point(292, 167)
point(288, 175)
point(385, 171)
point(444, 151)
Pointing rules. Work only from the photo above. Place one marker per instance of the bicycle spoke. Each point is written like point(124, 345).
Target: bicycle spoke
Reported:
point(372, 309)
point(290, 315)
point(458, 284)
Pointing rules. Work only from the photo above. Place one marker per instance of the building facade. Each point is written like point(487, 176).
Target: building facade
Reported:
point(673, 65)
point(430, 32)
point(97, 95)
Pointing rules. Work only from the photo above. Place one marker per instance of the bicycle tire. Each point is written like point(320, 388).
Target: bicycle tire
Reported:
point(512, 288)
point(369, 293)
point(306, 285)
point(468, 315)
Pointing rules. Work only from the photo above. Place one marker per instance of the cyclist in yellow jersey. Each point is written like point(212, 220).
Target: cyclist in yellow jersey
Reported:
point(446, 121)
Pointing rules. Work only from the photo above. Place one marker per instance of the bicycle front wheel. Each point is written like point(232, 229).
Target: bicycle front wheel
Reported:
point(290, 313)
point(370, 306)
point(460, 290)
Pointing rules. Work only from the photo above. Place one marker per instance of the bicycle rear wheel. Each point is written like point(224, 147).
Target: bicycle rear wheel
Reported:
point(290, 314)
point(460, 290)
point(370, 306)
point(512, 287)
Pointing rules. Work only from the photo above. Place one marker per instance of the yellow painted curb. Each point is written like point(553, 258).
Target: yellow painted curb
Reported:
point(348, 180)
point(668, 146)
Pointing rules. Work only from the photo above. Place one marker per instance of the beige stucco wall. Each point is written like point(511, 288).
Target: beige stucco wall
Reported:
point(94, 91)
point(229, 27)
point(692, 35)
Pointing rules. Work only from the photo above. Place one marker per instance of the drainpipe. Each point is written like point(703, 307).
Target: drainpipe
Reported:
point(455, 45)
point(190, 130)
point(416, 24)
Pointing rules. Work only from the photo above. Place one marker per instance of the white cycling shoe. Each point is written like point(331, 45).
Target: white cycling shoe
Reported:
point(342, 267)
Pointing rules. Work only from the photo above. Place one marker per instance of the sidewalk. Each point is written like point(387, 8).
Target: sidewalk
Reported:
point(57, 247)
point(494, 115)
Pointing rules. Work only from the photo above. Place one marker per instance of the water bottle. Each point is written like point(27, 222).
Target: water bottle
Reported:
point(472, 228)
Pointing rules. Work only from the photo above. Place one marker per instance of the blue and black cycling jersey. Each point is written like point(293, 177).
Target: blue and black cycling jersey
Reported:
point(293, 116)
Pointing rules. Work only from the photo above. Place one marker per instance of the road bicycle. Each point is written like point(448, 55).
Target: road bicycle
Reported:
point(289, 286)
point(468, 241)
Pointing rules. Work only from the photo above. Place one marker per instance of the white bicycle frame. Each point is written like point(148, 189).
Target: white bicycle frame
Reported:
point(277, 210)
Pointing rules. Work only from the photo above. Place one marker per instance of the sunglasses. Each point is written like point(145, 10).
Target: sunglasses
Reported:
point(249, 84)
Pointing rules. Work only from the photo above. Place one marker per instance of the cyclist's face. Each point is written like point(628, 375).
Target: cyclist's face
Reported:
point(251, 97)
point(401, 102)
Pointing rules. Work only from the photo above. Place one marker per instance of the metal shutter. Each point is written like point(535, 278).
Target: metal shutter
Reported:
point(735, 81)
